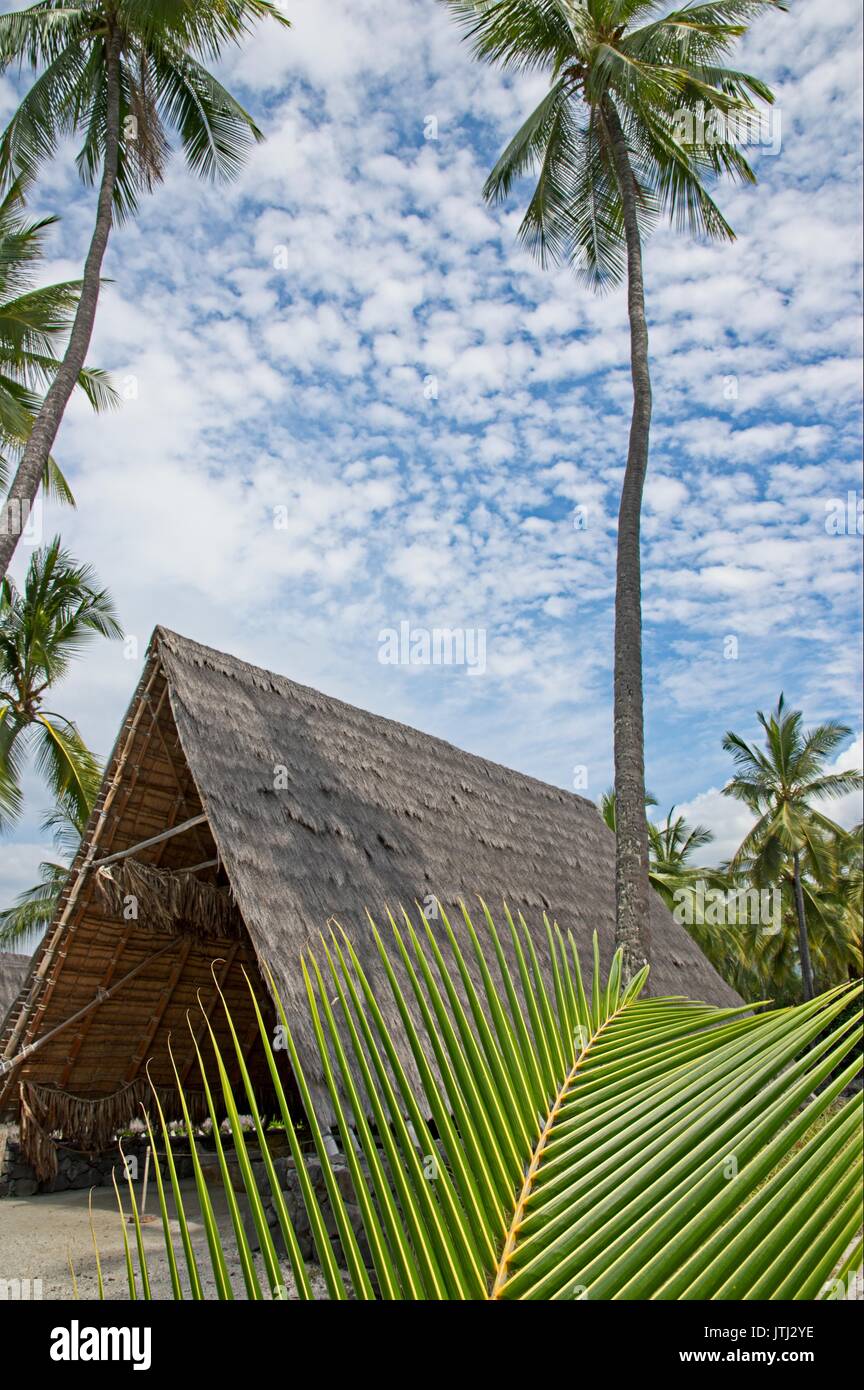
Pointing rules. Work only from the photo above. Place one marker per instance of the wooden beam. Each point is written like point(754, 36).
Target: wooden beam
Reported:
point(145, 844)
point(104, 983)
point(160, 1011)
point(51, 949)
point(101, 998)
point(128, 930)
point(189, 789)
point(41, 1005)
point(193, 868)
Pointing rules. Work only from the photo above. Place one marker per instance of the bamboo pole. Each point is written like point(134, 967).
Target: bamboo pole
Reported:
point(101, 997)
point(146, 844)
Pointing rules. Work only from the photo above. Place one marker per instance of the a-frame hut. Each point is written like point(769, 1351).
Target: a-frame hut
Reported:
point(240, 811)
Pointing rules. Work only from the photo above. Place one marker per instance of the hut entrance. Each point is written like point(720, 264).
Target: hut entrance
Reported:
point(148, 944)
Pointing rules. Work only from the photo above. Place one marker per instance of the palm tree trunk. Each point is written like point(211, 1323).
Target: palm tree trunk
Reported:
point(632, 927)
point(803, 941)
point(34, 460)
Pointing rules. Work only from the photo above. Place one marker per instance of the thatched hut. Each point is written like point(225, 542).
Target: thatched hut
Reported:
point(239, 812)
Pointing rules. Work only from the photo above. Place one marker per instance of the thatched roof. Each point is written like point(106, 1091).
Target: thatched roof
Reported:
point(313, 809)
point(13, 969)
point(375, 813)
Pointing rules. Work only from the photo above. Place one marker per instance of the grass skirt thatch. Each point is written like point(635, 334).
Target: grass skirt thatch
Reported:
point(176, 903)
point(90, 1124)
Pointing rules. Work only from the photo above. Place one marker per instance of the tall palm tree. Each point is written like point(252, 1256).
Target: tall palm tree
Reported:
point(119, 73)
point(32, 320)
point(42, 629)
point(634, 124)
point(32, 913)
point(780, 786)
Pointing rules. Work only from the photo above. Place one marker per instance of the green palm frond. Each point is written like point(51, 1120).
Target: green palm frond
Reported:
point(163, 87)
point(64, 762)
point(659, 79)
point(43, 627)
point(583, 1143)
point(34, 322)
point(34, 908)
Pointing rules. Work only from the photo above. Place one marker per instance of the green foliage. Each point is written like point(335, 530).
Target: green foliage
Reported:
point(573, 1143)
point(791, 837)
point(163, 87)
point(779, 784)
point(663, 76)
point(23, 924)
point(34, 320)
point(43, 628)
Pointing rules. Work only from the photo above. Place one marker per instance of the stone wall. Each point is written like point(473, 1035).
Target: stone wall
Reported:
point(296, 1207)
point(74, 1169)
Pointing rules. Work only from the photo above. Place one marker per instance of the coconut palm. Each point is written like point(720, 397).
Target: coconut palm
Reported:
point(848, 892)
point(636, 123)
point(33, 911)
point(679, 883)
point(780, 786)
point(578, 1147)
point(671, 847)
point(120, 74)
point(32, 320)
point(43, 627)
point(831, 893)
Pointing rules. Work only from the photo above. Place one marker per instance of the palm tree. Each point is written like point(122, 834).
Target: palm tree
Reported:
point(670, 848)
point(780, 786)
point(119, 73)
point(634, 123)
point(42, 629)
point(848, 893)
point(678, 882)
point(33, 911)
point(32, 319)
point(831, 891)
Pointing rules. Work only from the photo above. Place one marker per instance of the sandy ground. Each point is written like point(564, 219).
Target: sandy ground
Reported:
point(40, 1235)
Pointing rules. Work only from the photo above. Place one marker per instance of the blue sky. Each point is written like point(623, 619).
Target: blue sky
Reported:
point(348, 340)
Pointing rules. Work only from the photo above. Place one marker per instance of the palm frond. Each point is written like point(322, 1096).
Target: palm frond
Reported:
point(588, 1143)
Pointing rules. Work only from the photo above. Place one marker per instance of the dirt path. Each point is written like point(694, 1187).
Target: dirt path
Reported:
point(39, 1236)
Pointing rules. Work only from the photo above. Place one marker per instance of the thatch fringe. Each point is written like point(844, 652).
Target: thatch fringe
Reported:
point(47, 1111)
point(166, 901)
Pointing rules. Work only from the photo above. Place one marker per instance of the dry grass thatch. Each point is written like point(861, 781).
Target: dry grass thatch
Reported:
point(169, 902)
